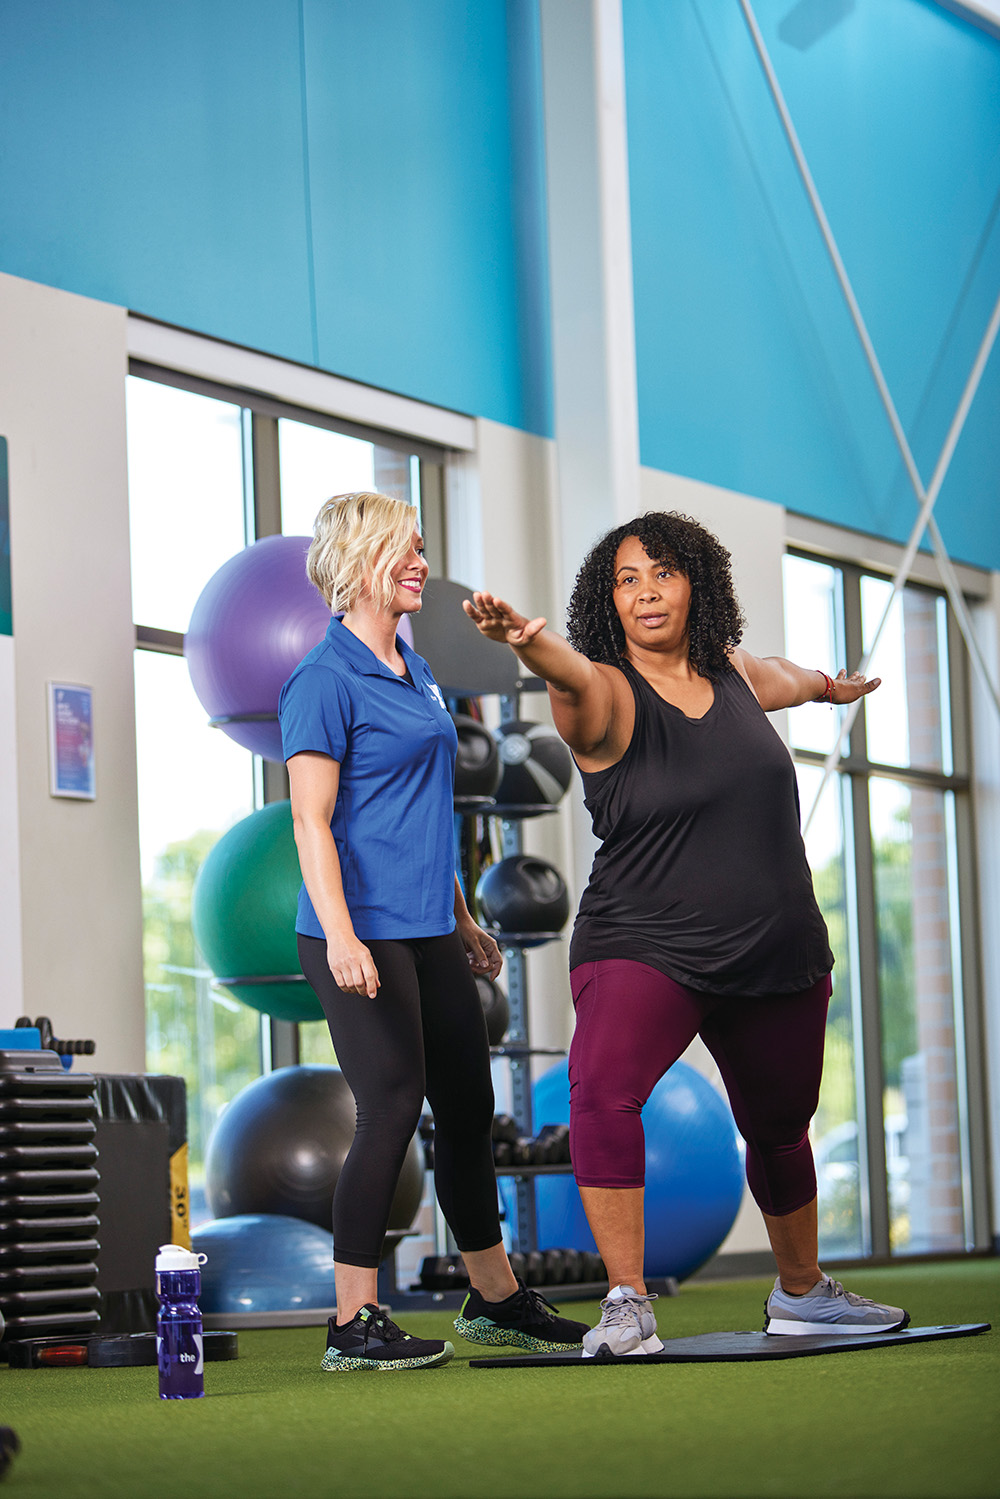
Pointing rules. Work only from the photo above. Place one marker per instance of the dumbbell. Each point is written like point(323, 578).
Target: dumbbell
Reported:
point(552, 1145)
point(572, 1266)
point(444, 1272)
point(555, 1266)
point(505, 1128)
point(522, 1152)
point(593, 1267)
point(534, 1268)
point(501, 1153)
point(517, 1263)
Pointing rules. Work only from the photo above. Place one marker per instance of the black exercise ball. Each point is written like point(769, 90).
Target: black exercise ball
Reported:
point(523, 894)
point(477, 764)
point(536, 767)
point(280, 1145)
point(496, 1008)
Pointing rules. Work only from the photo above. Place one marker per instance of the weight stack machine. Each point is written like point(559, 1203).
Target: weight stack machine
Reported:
point(48, 1197)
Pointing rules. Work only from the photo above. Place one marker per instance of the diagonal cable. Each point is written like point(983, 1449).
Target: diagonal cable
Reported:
point(926, 499)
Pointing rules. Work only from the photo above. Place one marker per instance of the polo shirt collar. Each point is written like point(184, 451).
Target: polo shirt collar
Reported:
point(362, 658)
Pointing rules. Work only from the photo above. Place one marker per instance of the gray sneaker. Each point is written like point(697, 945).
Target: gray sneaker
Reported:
point(828, 1308)
point(627, 1326)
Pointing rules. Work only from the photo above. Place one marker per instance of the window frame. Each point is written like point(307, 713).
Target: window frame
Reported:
point(260, 415)
point(855, 772)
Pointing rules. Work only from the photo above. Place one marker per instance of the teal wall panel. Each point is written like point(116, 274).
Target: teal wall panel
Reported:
point(151, 156)
point(362, 187)
point(349, 185)
point(414, 182)
point(750, 374)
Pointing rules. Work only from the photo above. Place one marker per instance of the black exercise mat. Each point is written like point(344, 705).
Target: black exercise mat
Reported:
point(734, 1348)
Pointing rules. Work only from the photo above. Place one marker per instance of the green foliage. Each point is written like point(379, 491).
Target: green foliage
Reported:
point(192, 1030)
point(894, 918)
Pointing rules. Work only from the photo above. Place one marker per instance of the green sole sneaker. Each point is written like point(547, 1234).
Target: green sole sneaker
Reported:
point(352, 1363)
point(482, 1330)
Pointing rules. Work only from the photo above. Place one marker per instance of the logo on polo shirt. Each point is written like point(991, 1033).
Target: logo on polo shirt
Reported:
point(433, 690)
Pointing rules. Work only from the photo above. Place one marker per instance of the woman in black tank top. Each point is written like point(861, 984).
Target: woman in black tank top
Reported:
point(699, 915)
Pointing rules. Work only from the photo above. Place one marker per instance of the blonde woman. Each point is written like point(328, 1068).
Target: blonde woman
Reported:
point(386, 939)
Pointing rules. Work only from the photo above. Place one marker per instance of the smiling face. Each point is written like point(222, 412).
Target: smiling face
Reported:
point(652, 600)
point(409, 576)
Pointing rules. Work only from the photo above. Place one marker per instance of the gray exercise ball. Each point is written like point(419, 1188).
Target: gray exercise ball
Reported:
point(280, 1144)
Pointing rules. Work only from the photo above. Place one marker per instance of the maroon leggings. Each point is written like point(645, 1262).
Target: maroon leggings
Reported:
point(633, 1022)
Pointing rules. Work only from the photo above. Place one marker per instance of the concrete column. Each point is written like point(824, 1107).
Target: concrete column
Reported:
point(74, 950)
point(930, 1086)
point(590, 256)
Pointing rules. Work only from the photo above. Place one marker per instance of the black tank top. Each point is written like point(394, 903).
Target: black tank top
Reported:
point(702, 871)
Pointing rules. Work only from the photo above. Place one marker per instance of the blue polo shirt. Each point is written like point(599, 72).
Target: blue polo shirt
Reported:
point(393, 820)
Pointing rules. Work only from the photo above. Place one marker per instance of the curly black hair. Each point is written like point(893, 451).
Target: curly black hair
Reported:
point(715, 623)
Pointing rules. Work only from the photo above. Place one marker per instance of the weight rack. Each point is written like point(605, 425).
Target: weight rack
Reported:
point(48, 1197)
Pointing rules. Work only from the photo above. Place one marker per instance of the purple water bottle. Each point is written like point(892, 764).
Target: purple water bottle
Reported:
point(180, 1351)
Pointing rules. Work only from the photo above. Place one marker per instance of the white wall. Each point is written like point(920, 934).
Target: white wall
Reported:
point(516, 495)
point(62, 399)
point(10, 845)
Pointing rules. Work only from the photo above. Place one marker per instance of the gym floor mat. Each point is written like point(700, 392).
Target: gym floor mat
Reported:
point(734, 1348)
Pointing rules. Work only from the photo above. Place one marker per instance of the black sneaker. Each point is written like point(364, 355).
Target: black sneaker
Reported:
point(524, 1320)
point(373, 1341)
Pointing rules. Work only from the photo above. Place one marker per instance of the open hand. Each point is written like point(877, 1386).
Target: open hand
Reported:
point(498, 621)
point(847, 689)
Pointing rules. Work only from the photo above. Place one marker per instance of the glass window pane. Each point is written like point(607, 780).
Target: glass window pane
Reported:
point(814, 636)
point(905, 721)
point(186, 497)
point(836, 1128)
point(918, 939)
point(194, 783)
point(316, 464)
point(315, 1046)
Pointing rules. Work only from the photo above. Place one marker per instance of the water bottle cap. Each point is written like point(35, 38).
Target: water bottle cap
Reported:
point(174, 1257)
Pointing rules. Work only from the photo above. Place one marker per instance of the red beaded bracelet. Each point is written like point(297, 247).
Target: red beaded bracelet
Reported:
point(826, 696)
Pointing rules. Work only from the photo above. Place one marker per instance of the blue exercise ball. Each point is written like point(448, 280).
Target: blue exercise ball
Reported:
point(262, 1262)
point(694, 1172)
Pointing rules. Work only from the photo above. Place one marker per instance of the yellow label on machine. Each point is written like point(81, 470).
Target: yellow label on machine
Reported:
point(180, 1202)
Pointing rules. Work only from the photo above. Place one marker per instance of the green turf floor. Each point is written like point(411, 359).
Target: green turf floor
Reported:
point(897, 1421)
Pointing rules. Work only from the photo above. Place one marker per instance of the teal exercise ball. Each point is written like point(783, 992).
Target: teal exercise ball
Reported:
point(243, 914)
point(694, 1172)
point(264, 1262)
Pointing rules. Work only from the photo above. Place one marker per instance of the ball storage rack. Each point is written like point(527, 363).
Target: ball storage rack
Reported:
point(49, 1202)
point(517, 1049)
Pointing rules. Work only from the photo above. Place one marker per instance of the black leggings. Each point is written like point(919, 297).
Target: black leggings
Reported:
point(423, 1034)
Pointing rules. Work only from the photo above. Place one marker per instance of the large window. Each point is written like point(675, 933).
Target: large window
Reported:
point(888, 842)
point(209, 472)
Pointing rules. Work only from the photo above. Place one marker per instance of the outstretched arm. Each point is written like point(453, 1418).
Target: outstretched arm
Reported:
point(781, 684)
point(585, 696)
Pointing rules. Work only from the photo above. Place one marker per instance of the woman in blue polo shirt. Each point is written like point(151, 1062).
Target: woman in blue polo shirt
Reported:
point(386, 939)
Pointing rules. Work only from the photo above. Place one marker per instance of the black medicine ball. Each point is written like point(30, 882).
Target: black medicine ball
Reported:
point(536, 766)
point(477, 765)
point(496, 1008)
point(523, 894)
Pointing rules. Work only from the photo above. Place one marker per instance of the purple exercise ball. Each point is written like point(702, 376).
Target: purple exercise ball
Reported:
point(253, 622)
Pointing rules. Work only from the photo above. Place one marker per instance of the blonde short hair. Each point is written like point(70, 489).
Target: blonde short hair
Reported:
point(358, 539)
